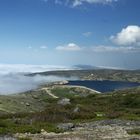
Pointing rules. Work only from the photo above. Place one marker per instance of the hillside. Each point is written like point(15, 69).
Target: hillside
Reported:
point(35, 100)
point(100, 74)
point(36, 113)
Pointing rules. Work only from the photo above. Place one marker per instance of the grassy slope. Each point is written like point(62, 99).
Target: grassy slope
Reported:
point(24, 102)
point(118, 105)
point(33, 101)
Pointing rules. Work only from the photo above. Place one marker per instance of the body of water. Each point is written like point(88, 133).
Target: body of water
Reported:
point(105, 85)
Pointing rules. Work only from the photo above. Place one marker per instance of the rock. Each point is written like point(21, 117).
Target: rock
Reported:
point(100, 114)
point(134, 139)
point(77, 109)
point(96, 130)
point(66, 126)
point(63, 82)
point(27, 104)
point(43, 132)
point(35, 96)
point(22, 103)
point(64, 101)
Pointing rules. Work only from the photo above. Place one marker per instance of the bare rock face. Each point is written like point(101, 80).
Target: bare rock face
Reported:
point(27, 104)
point(76, 109)
point(134, 139)
point(65, 126)
point(64, 101)
point(43, 132)
point(99, 130)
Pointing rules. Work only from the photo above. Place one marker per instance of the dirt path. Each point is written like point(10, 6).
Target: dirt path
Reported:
point(82, 87)
point(49, 92)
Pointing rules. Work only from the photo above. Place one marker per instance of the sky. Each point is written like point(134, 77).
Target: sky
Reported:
point(70, 32)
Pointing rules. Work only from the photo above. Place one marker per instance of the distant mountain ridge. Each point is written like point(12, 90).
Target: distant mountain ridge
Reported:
point(91, 67)
point(85, 67)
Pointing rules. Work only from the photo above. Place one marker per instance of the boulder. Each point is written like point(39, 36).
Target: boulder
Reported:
point(27, 104)
point(64, 101)
point(65, 126)
point(76, 109)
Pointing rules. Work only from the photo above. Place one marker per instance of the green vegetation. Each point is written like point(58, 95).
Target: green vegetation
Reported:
point(31, 101)
point(134, 132)
point(118, 105)
point(24, 139)
point(11, 126)
point(70, 92)
point(99, 74)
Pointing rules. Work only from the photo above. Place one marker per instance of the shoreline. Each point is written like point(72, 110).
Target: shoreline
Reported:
point(83, 87)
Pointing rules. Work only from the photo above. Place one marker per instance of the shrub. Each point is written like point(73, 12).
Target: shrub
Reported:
point(24, 139)
point(134, 132)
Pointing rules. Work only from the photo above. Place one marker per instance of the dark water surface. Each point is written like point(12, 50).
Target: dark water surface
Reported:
point(105, 85)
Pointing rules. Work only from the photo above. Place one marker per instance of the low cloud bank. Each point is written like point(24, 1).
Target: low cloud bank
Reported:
point(23, 68)
point(13, 80)
point(16, 83)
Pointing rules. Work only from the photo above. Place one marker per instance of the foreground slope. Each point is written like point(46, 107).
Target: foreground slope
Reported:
point(76, 113)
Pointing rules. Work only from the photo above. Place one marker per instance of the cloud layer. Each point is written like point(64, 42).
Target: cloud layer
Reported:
point(87, 34)
point(80, 2)
point(16, 83)
point(72, 47)
point(76, 3)
point(122, 49)
point(13, 80)
point(23, 68)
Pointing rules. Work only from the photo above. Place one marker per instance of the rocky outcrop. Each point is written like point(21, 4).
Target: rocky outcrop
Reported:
point(66, 126)
point(64, 101)
point(99, 130)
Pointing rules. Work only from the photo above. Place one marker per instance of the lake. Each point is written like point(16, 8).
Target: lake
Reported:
point(105, 85)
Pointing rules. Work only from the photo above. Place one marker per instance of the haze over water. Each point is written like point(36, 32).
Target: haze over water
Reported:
point(13, 79)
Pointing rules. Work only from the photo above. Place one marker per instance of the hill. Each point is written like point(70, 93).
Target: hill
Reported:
point(59, 108)
point(100, 74)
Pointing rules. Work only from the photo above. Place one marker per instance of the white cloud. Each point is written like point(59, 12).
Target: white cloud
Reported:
point(45, 0)
point(69, 47)
point(99, 48)
point(16, 83)
point(80, 2)
point(24, 68)
point(13, 79)
point(122, 49)
point(58, 2)
point(43, 47)
point(35, 49)
point(87, 34)
point(75, 3)
point(128, 36)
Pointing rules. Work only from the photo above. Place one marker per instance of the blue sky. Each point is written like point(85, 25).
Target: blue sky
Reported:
point(69, 32)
